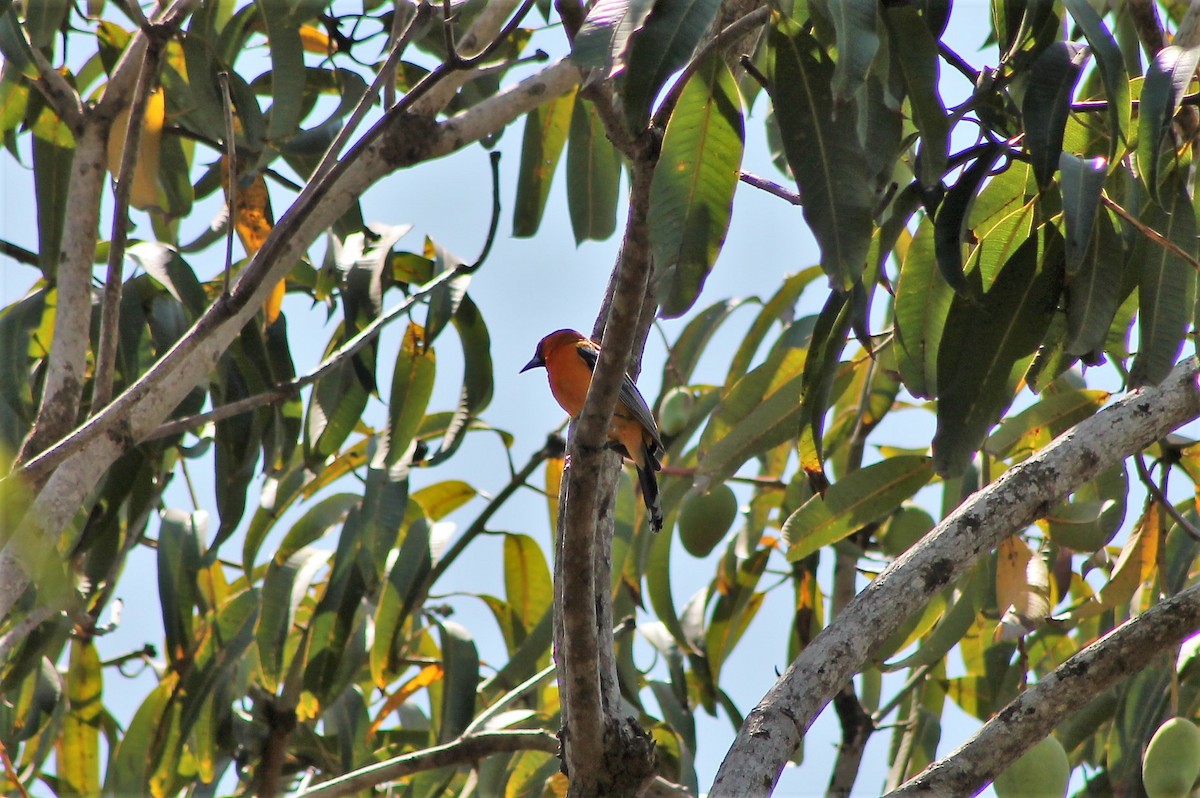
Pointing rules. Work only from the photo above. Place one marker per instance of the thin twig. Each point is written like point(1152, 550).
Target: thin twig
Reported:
point(14, 777)
point(19, 253)
point(1149, 232)
point(231, 175)
point(754, 72)
point(1157, 494)
point(771, 187)
point(464, 750)
point(958, 62)
point(110, 309)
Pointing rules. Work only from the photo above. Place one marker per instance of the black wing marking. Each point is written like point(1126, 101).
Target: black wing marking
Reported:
point(629, 395)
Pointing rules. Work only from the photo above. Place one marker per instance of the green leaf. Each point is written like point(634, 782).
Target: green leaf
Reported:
point(1082, 183)
point(760, 411)
point(1167, 286)
point(446, 299)
point(593, 176)
point(820, 367)
point(693, 342)
point(1021, 434)
point(914, 47)
point(922, 301)
point(334, 409)
point(853, 502)
point(780, 306)
point(1165, 85)
point(78, 748)
point(952, 215)
point(412, 385)
point(546, 129)
point(13, 44)
point(139, 749)
point(691, 194)
point(44, 19)
point(527, 584)
point(603, 38)
point(180, 538)
point(316, 522)
point(460, 658)
point(407, 570)
point(478, 381)
point(855, 22)
point(736, 605)
point(284, 587)
point(53, 154)
point(823, 151)
point(1112, 71)
point(1096, 292)
point(1094, 514)
point(986, 346)
point(1047, 104)
point(288, 74)
point(662, 46)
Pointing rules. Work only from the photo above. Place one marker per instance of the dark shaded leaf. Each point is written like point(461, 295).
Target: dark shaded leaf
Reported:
point(661, 47)
point(952, 216)
point(1112, 71)
point(1082, 183)
point(922, 302)
point(1047, 104)
point(1167, 286)
point(461, 661)
point(986, 345)
point(914, 47)
point(855, 22)
point(593, 176)
point(604, 36)
point(1095, 293)
point(823, 151)
point(1165, 85)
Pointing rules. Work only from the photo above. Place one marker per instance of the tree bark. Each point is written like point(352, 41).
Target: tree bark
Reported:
point(774, 728)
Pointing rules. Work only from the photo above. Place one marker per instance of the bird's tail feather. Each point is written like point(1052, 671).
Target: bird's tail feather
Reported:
point(649, 485)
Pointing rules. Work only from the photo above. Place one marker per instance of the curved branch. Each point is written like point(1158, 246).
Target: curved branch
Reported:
point(1034, 714)
point(775, 727)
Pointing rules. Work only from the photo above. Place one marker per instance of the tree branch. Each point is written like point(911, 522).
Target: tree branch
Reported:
point(110, 309)
point(466, 750)
point(775, 727)
point(604, 753)
point(1034, 714)
point(397, 141)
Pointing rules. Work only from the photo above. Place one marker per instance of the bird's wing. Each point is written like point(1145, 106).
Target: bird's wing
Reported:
point(629, 395)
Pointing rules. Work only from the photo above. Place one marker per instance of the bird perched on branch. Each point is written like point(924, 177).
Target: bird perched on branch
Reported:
point(569, 359)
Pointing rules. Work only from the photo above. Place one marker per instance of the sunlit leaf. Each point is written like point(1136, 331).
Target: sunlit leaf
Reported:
point(854, 501)
point(691, 195)
point(546, 129)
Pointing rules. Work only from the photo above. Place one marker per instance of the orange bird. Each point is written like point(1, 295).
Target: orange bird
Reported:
point(569, 360)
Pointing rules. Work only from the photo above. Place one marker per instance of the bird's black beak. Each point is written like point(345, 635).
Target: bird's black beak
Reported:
point(536, 363)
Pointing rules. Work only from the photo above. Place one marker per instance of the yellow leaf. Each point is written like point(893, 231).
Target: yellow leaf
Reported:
point(316, 41)
point(1022, 589)
point(253, 220)
point(143, 192)
point(554, 472)
point(425, 677)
